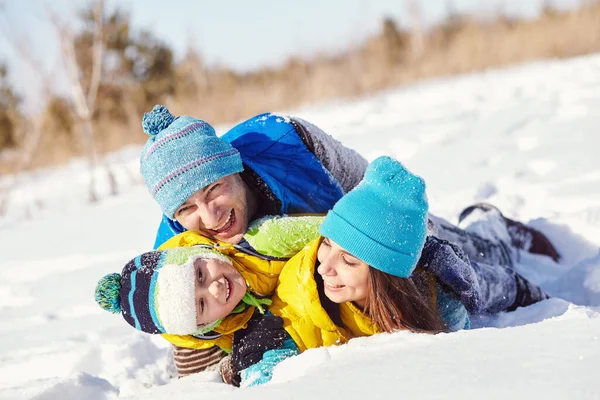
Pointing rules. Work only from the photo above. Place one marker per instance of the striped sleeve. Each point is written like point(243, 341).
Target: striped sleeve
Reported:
point(191, 361)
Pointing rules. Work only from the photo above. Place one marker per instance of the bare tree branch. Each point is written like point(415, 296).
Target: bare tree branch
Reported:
point(34, 131)
point(98, 53)
point(85, 104)
point(22, 47)
point(417, 31)
point(67, 46)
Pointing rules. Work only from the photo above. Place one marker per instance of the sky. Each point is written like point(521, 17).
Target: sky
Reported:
point(240, 34)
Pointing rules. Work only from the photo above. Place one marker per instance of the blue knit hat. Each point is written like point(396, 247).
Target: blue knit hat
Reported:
point(182, 156)
point(383, 220)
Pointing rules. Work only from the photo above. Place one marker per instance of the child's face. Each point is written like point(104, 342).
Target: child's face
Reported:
point(219, 288)
point(219, 210)
point(345, 276)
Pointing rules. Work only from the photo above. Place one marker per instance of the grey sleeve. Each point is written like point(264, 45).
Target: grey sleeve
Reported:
point(346, 165)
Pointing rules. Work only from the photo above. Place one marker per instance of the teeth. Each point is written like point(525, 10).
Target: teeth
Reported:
point(331, 285)
point(228, 289)
point(224, 223)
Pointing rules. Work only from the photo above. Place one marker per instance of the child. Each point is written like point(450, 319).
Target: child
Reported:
point(191, 293)
point(375, 270)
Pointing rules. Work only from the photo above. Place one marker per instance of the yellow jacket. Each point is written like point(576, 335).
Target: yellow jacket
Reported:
point(260, 275)
point(296, 300)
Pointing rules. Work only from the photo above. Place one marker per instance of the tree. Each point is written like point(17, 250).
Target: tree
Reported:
point(84, 75)
point(139, 68)
point(9, 111)
point(33, 126)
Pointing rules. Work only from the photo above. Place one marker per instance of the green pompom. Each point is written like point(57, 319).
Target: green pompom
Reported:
point(107, 293)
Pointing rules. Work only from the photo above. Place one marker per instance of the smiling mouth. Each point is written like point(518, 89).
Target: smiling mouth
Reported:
point(229, 288)
point(332, 286)
point(226, 226)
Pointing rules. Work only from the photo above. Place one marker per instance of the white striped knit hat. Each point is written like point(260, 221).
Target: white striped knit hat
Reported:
point(155, 291)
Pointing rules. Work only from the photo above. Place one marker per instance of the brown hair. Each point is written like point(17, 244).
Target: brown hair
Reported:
point(395, 303)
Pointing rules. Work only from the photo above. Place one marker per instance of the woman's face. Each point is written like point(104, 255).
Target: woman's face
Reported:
point(345, 276)
point(219, 288)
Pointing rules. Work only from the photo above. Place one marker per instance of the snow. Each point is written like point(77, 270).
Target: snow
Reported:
point(523, 138)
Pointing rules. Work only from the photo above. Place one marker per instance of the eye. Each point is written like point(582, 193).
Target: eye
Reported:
point(213, 187)
point(325, 243)
point(201, 303)
point(348, 262)
point(183, 209)
point(199, 275)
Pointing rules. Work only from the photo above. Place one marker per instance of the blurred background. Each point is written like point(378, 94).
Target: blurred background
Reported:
point(76, 76)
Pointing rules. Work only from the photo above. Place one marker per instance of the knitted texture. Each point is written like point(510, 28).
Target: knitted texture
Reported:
point(182, 156)
point(155, 291)
point(107, 293)
point(383, 221)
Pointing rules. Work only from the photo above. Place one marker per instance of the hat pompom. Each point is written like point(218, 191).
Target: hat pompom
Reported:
point(107, 293)
point(157, 120)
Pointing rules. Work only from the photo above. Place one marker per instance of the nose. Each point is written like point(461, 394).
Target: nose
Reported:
point(216, 288)
point(325, 267)
point(208, 213)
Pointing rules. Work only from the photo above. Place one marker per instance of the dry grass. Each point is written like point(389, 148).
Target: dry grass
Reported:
point(380, 62)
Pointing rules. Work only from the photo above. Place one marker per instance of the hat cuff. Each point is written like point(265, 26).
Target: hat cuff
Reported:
point(201, 174)
point(365, 248)
point(175, 295)
point(175, 298)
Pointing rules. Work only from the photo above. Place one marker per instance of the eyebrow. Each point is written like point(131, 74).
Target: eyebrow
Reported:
point(348, 254)
point(341, 249)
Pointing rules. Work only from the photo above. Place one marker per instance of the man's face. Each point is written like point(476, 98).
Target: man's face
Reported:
point(219, 210)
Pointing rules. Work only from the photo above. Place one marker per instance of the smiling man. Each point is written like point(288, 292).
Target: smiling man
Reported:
point(267, 165)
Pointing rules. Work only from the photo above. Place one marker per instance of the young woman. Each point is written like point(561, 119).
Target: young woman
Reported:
point(374, 270)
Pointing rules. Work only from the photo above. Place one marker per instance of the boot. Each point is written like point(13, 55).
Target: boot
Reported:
point(522, 236)
point(527, 293)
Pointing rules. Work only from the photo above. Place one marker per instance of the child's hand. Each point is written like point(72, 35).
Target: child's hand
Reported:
point(264, 332)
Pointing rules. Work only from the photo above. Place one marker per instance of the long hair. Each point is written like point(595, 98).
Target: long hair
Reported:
point(395, 303)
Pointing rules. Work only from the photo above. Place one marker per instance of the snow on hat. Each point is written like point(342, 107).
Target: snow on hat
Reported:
point(155, 291)
point(182, 156)
point(383, 220)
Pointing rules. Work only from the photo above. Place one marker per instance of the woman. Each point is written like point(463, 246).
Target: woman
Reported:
point(374, 270)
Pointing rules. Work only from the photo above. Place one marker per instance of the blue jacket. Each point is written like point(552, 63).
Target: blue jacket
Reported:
point(270, 145)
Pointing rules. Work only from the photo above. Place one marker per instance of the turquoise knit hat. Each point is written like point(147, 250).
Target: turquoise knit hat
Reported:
point(383, 220)
point(182, 156)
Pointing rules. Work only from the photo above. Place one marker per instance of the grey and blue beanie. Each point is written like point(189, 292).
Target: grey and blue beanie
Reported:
point(383, 220)
point(182, 156)
point(155, 291)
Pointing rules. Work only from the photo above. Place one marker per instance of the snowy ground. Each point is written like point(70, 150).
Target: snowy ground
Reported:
point(526, 139)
